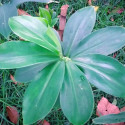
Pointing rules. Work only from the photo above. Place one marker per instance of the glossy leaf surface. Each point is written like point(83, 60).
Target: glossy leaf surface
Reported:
point(43, 92)
point(104, 41)
point(27, 74)
point(108, 119)
point(104, 72)
point(79, 25)
point(32, 29)
point(17, 54)
point(76, 96)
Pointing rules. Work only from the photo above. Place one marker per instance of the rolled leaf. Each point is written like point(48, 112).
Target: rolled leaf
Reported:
point(43, 92)
point(45, 14)
point(109, 119)
point(104, 72)
point(104, 41)
point(33, 30)
point(27, 74)
point(76, 96)
point(17, 54)
point(79, 25)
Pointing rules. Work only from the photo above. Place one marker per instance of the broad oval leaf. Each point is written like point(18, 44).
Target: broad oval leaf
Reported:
point(33, 30)
point(17, 54)
point(104, 72)
point(76, 96)
point(27, 74)
point(109, 119)
point(104, 41)
point(79, 25)
point(43, 92)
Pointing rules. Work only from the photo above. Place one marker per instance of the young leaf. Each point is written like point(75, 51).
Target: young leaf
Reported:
point(17, 54)
point(64, 9)
point(27, 74)
point(109, 119)
point(76, 96)
point(104, 41)
point(45, 14)
point(43, 92)
point(33, 30)
point(43, 20)
point(78, 27)
point(54, 21)
point(104, 72)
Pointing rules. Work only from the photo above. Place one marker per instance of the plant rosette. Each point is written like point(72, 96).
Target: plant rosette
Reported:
point(65, 70)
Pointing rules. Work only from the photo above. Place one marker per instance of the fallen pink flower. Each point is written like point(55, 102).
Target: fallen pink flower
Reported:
point(104, 107)
point(120, 10)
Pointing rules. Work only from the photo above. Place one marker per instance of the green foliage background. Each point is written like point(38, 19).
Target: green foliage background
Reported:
point(12, 95)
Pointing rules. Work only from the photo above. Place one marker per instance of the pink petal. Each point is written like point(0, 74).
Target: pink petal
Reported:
point(120, 10)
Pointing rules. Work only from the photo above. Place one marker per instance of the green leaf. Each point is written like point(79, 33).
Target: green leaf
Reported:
point(104, 41)
point(54, 21)
point(43, 20)
point(9, 10)
point(109, 119)
point(45, 14)
point(43, 92)
point(78, 27)
point(104, 72)
point(6, 11)
point(33, 30)
point(17, 54)
point(76, 96)
point(53, 36)
point(27, 74)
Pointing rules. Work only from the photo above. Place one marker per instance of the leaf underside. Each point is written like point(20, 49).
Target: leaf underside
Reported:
point(27, 74)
